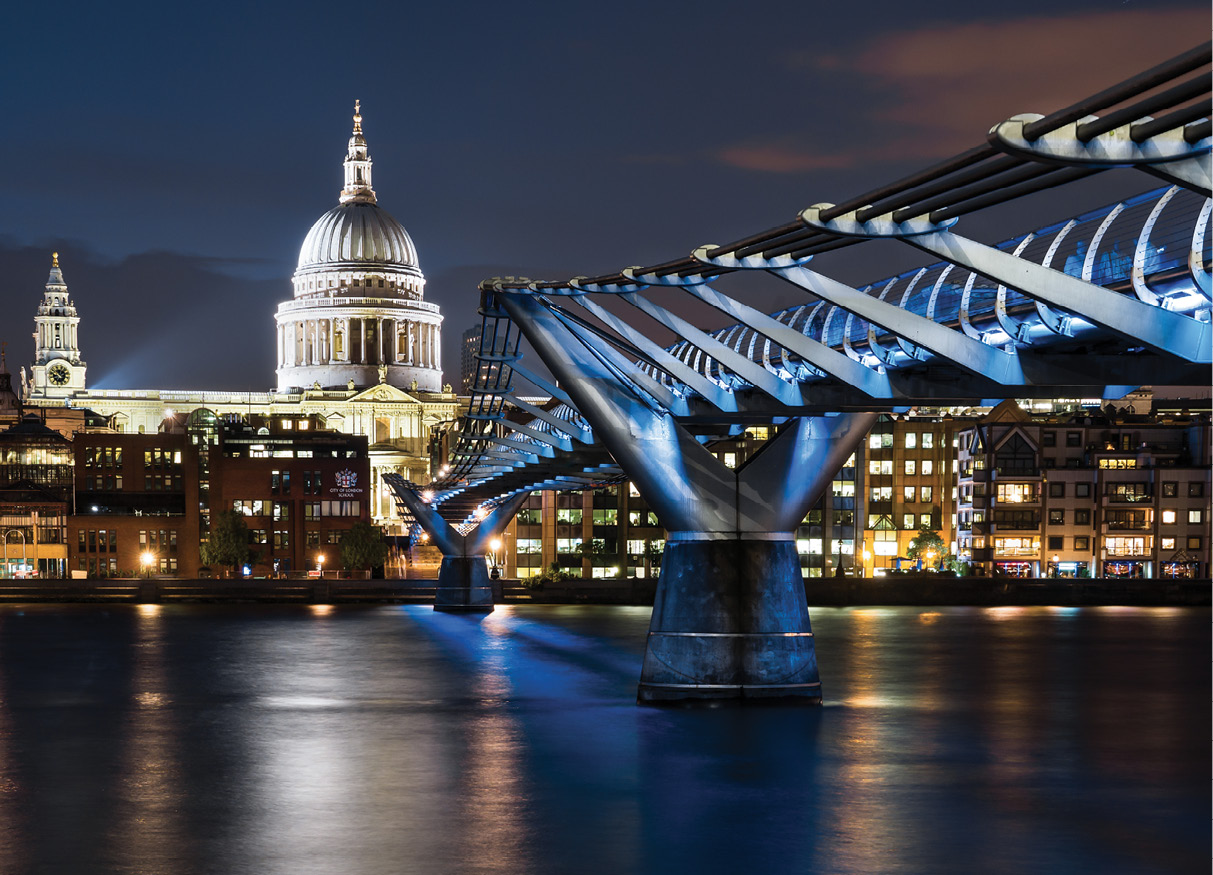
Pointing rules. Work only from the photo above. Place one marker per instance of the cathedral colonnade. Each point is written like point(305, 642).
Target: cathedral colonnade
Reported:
point(359, 340)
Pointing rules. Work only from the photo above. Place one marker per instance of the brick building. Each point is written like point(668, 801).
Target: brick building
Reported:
point(136, 505)
point(298, 486)
point(1090, 495)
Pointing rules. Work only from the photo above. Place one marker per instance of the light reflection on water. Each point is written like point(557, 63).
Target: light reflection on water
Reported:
point(183, 739)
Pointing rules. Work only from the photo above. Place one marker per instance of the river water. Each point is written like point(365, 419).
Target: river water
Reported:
point(351, 740)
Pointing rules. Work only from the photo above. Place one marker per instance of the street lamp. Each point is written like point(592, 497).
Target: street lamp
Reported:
point(320, 563)
point(494, 568)
point(146, 559)
point(1056, 565)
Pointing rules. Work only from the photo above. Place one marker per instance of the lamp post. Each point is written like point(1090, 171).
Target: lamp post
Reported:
point(494, 567)
point(320, 564)
point(146, 559)
point(1056, 565)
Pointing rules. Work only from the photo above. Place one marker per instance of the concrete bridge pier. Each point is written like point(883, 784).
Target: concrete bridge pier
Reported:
point(463, 579)
point(730, 619)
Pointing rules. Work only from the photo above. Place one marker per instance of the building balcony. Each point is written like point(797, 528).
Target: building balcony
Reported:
point(1128, 499)
point(1017, 553)
point(1018, 473)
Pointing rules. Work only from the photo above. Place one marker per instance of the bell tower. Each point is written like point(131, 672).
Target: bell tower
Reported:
point(58, 370)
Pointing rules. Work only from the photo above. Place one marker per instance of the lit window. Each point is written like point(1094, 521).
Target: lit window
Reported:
point(808, 546)
point(928, 467)
point(911, 440)
point(1195, 516)
point(1168, 517)
point(911, 467)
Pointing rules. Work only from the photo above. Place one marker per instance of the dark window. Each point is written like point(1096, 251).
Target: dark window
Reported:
point(1082, 516)
point(1048, 439)
point(1196, 490)
point(1057, 517)
point(1057, 490)
point(1193, 543)
point(1082, 490)
point(1016, 456)
point(1170, 489)
point(1055, 542)
point(1073, 438)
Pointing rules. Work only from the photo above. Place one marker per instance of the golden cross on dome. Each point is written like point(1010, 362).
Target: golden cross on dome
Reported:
point(54, 259)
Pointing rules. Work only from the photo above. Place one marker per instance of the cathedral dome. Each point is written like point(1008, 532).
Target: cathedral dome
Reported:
point(357, 233)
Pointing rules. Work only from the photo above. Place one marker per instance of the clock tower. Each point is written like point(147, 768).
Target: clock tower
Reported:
point(58, 371)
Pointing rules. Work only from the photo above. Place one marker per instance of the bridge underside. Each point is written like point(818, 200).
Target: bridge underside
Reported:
point(1062, 311)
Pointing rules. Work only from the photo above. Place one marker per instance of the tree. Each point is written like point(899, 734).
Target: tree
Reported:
point(363, 546)
point(927, 541)
point(227, 545)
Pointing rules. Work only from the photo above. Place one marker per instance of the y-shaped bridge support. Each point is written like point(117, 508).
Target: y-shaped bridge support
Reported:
point(463, 579)
point(730, 619)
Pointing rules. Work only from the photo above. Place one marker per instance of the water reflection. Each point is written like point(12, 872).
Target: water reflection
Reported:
point(147, 806)
point(290, 740)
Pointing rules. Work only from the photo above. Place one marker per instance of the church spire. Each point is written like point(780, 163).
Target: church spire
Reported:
point(357, 165)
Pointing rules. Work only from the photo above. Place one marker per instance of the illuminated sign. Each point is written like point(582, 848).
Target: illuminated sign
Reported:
point(346, 484)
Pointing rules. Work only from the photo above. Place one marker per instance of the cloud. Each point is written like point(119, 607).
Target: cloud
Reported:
point(933, 92)
point(950, 85)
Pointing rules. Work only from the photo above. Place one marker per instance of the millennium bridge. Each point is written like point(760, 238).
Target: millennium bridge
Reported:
point(1093, 306)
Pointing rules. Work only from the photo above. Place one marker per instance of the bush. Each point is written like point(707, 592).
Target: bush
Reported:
point(552, 574)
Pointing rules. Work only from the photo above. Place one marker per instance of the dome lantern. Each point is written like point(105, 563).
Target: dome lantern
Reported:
point(357, 165)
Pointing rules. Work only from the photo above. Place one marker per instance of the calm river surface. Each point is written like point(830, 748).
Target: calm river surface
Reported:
point(206, 739)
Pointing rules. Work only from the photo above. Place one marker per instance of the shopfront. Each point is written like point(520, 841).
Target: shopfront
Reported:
point(1015, 568)
point(1125, 569)
point(1068, 569)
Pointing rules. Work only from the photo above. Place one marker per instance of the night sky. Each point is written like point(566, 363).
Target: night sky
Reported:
point(176, 154)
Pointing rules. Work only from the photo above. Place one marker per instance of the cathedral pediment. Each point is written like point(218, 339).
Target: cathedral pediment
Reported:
point(384, 393)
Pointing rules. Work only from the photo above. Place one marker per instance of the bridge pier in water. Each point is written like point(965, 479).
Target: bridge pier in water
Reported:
point(730, 620)
point(463, 579)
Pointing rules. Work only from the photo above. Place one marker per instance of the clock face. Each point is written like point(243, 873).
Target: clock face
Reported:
point(59, 375)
